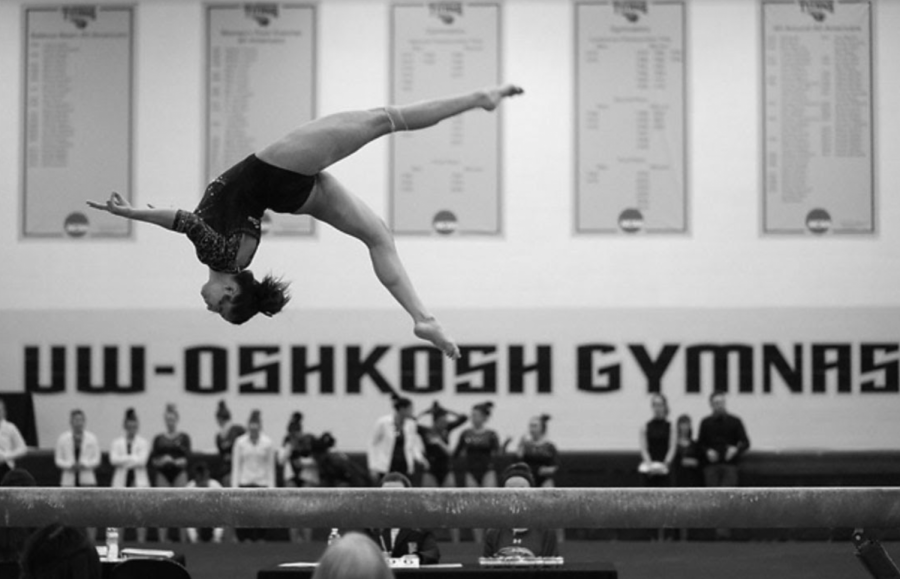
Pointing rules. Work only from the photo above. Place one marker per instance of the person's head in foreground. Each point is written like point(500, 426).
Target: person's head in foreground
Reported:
point(238, 297)
point(58, 552)
point(395, 480)
point(353, 556)
point(517, 476)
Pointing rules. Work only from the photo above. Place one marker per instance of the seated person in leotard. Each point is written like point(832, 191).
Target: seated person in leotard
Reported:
point(519, 542)
point(536, 450)
point(289, 176)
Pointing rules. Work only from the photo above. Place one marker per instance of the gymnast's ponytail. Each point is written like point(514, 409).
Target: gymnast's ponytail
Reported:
point(268, 296)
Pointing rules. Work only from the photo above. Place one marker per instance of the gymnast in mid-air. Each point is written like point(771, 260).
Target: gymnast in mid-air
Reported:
point(289, 176)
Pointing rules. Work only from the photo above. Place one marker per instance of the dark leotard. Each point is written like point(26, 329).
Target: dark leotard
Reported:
point(479, 448)
point(537, 455)
point(233, 205)
point(438, 460)
point(178, 446)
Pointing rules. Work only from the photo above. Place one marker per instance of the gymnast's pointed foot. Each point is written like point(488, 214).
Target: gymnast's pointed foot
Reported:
point(495, 95)
point(431, 330)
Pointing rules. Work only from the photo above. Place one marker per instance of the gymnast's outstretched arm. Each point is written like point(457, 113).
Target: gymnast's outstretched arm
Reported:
point(118, 205)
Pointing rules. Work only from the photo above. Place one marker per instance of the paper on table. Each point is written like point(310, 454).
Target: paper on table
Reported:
point(300, 564)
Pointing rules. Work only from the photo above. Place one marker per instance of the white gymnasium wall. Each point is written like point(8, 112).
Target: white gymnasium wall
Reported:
point(537, 264)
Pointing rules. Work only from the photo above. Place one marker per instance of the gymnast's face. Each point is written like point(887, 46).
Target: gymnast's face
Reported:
point(217, 295)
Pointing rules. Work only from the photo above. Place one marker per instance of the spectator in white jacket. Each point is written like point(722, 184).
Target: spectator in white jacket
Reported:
point(12, 445)
point(128, 456)
point(77, 457)
point(396, 445)
point(253, 466)
point(77, 454)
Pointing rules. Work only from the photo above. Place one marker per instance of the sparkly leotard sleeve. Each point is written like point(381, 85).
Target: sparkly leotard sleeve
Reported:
point(213, 249)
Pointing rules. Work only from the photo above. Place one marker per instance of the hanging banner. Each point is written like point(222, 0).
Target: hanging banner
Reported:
point(630, 116)
point(799, 378)
point(445, 179)
point(77, 125)
point(260, 85)
point(818, 140)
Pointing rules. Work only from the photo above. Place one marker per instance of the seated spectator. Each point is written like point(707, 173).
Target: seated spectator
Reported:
point(128, 456)
point(336, 469)
point(687, 456)
point(519, 542)
point(77, 456)
point(353, 556)
point(658, 445)
point(12, 445)
point(12, 539)
point(203, 480)
point(58, 552)
point(403, 542)
point(722, 441)
point(253, 466)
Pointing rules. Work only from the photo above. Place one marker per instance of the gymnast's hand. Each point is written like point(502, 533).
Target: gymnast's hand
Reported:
point(116, 204)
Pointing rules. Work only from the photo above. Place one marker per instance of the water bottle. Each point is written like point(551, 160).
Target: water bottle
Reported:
point(334, 536)
point(112, 544)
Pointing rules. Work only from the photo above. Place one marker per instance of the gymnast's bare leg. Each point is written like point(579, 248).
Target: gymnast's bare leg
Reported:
point(320, 143)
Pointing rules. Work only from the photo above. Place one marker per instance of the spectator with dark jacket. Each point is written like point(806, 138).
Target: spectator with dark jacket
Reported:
point(406, 542)
point(722, 441)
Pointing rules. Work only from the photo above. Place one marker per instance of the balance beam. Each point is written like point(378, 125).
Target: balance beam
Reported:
point(455, 508)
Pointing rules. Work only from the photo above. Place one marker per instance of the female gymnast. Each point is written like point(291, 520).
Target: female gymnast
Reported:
point(289, 177)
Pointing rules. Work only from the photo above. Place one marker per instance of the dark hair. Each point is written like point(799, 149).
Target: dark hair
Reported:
point(716, 393)
point(200, 470)
point(485, 408)
point(323, 443)
point(130, 414)
point(517, 469)
point(222, 412)
point(58, 552)
point(437, 411)
point(18, 477)
point(396, 477)
point(255, 416)
point(76, 412)
point(543, 419)
point(295, 425)
point(665, 401)
point(400, 402)
point(685, 419)
point(171, 409)
point(268, 296)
